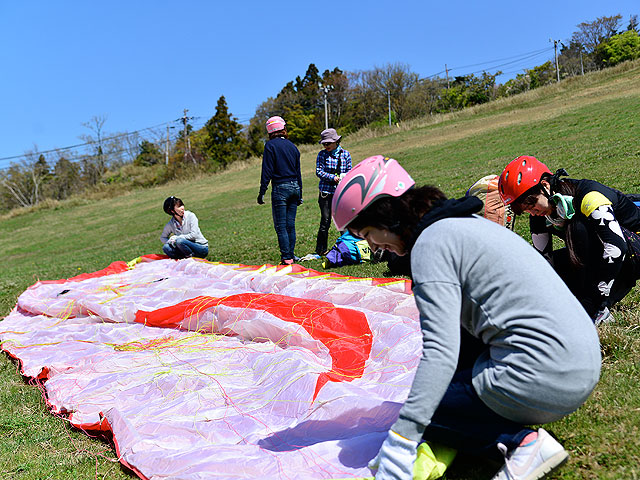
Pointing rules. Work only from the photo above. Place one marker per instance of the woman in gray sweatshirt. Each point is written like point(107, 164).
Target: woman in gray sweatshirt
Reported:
point(505, 343)
point(181, 236)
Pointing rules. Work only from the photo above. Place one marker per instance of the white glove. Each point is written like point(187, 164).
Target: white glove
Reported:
point(395, 458)
point(172, 240)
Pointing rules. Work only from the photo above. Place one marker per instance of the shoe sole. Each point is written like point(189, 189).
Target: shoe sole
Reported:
point(552, 464)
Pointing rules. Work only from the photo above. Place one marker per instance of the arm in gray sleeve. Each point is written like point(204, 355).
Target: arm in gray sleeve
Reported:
point(166, 233)
point(439, 304)
point(191, 230)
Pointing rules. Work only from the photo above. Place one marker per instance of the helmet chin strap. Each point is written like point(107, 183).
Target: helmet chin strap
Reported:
point(555, 178)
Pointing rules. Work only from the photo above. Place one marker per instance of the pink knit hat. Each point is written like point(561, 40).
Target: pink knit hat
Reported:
point(275, 123)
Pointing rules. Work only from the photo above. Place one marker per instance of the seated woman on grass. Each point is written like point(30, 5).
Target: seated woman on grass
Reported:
point(181, 235)
point(601, 260)
point(505, 343)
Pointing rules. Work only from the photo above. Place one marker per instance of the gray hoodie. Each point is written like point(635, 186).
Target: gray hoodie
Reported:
point(543, 359)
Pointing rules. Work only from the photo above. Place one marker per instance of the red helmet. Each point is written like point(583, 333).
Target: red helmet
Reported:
point(519, 176)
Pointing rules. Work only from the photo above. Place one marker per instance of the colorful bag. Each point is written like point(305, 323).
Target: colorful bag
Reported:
point(486, 189)
point(348, 250)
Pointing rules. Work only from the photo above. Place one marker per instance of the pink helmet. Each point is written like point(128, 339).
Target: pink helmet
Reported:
point(373, 178)
point(275, 123)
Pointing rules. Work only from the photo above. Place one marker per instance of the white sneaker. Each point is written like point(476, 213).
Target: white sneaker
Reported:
point(533, 461)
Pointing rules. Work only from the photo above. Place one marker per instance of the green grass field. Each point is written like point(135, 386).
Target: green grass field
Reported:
point(589, 125)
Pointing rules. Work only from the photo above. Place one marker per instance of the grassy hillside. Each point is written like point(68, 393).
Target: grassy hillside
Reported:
point(589, 125)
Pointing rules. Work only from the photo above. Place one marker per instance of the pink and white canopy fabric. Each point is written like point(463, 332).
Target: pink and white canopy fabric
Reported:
point(209, 370)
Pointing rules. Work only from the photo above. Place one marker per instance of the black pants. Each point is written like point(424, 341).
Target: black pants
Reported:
point(462, 421)
point(324, 200)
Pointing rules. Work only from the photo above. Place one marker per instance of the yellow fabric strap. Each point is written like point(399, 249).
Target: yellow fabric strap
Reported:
point(431, 462)
point(365, 251)
point(591, 201)
point(133, 263)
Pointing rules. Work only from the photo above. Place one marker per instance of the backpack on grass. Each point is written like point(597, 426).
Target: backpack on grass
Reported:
point(348, 250)
point(486, 189)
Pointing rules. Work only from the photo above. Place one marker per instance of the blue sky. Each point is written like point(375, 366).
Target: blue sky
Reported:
point(139, 63)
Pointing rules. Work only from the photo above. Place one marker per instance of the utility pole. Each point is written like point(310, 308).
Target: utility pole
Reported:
point(446, 71)
point(325, 90)
point(389, 100)
point(581, 64)
point(187, 140)
point(555, 50)
point(166, 150)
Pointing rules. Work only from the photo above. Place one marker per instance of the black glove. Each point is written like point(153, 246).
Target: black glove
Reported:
point(260, 199)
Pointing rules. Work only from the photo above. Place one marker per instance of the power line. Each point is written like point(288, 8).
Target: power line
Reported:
point(522, 55)
point(511, 63)
point(90, 143)
point(518, 58)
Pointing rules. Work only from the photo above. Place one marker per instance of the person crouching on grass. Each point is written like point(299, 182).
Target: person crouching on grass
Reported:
point(505, 343)
point(599, 225)
point(181, 236)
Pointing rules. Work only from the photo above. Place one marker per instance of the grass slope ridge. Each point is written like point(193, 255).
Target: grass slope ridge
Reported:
point(588, 125)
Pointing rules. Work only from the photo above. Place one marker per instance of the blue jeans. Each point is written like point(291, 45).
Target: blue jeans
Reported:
point(463, 421)
point(285, 198)
point(183, 248)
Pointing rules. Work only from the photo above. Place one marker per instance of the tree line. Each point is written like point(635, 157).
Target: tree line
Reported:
point(372, 98)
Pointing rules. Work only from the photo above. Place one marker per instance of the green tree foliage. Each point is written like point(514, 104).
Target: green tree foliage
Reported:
point(625, 46)
point(149, 154)
point(469, 90)
point(541, 75)
point(66, 179)
point(536, 77)
point(225, 142)
point(301, 104)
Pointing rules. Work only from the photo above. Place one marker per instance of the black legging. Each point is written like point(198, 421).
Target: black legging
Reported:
point(324, 200)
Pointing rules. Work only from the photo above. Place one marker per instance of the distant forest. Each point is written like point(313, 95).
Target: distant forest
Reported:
point(374, 98)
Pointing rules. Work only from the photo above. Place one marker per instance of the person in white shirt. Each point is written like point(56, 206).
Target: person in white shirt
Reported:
point(181, 236)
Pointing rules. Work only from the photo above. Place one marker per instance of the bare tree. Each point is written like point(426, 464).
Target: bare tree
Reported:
point(23, 181)
point(394, 81)
point(96, 125)
point(592, 34)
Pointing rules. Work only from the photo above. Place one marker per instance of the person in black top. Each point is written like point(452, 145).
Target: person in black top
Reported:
point(281, 167)
point(599, 225)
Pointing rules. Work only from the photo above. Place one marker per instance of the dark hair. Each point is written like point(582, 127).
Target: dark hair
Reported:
point(170, 204)
point(279, 133)
point(563, 187)
point(399, 215)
